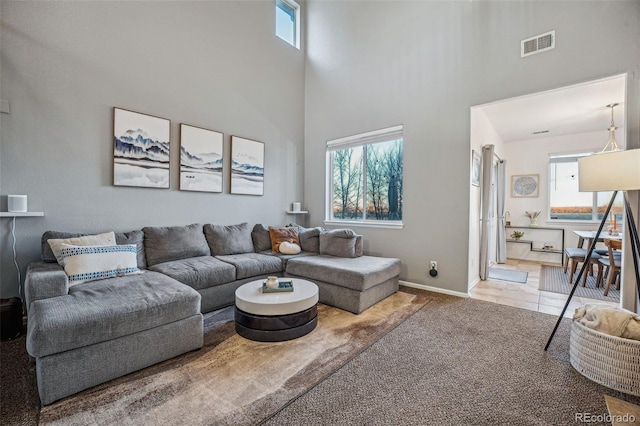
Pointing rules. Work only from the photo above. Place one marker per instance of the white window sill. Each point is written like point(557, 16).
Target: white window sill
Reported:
point(572, 222)
point(366, 224)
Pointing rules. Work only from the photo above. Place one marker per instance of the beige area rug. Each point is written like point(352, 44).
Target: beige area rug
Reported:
point(232, 380)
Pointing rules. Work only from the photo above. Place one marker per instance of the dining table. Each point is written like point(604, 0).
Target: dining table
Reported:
point(589, 236)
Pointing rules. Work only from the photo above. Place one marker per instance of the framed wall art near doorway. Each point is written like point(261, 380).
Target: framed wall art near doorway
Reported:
point(475, 168)
point(525, 186)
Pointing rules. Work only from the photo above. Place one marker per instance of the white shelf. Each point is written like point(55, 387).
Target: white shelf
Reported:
point(298, 212)
point(21, 214)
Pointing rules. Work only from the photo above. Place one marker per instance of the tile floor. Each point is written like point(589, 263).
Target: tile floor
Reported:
point(527, 296)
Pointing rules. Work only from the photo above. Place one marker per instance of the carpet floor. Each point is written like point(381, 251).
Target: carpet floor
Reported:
point(232, 380)
point(457, 362)
point(449, 361)
point(553, 279)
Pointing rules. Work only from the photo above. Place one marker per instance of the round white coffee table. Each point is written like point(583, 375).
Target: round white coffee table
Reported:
point(275, 317)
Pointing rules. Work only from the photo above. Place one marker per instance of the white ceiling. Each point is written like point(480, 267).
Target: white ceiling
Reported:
point(575, 109)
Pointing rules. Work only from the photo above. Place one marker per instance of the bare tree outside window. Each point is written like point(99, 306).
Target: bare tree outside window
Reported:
point(372, 172)
point(347, 183)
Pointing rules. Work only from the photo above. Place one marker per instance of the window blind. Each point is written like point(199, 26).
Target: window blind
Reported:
point(572, 158)
point(382, 135)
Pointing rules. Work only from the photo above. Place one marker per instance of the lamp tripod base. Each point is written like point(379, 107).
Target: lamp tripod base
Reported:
point(635, 249)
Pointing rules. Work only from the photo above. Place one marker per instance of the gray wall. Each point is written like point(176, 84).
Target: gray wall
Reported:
point(65, 65)
point(424, 64)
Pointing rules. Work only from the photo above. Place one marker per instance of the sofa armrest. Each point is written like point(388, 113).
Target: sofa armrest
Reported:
point(44, 280)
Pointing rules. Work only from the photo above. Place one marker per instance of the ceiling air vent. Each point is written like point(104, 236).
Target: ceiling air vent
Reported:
point(537, 44)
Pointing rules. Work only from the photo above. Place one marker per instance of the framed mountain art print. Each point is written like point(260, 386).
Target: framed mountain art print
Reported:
point(200, 159)
point(247, 166)
point(140, 149)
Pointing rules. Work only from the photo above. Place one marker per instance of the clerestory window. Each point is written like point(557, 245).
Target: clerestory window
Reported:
point(288, 22)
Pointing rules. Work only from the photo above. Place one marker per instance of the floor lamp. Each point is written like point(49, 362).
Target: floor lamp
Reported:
point(610, 171)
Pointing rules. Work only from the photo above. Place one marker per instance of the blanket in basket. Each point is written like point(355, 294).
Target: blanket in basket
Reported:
point(610, 320)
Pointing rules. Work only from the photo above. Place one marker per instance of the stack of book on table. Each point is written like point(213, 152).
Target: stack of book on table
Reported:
point(283, 285)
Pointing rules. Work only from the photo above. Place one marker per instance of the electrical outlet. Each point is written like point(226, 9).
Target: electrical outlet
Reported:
point(433, 265)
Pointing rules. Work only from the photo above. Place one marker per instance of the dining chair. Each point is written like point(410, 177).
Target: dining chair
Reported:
point(577, 255)
point(610, 265)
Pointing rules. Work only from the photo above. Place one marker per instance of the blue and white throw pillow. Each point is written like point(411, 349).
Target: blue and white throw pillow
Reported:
point(88, 263)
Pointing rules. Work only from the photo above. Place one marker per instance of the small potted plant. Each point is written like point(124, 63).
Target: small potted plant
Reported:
point(516, 235)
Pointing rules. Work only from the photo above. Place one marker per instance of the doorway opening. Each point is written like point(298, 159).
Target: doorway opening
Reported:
point(527, 131)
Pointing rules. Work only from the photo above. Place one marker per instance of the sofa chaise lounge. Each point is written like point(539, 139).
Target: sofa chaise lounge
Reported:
point(86, 334)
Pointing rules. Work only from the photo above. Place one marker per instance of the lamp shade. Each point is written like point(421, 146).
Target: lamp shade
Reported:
point(610, 171)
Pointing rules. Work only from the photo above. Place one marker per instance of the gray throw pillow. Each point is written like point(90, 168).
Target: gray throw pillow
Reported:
point(260, 237)
point(137, 238)
point(310, 239)
point(338, 242)
point(164, 244)
point(47, 253)
point(359, 246)
point(229, 239)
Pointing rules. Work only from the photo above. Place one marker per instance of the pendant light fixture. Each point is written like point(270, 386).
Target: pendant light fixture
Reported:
point(612, 133)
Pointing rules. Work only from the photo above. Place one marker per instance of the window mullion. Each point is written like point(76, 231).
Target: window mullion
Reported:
point(364, 182)
point(331, 183)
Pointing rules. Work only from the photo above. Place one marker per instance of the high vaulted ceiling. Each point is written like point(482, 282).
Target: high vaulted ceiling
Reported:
point(575, 109)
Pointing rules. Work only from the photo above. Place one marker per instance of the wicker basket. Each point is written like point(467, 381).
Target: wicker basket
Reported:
point(611, 361)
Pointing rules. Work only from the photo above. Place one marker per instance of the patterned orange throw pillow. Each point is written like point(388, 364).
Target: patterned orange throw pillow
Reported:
point(280, 235)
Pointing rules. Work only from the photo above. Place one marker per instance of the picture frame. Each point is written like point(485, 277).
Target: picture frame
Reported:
point(141, 148)
point(201, 159)
point(525, 186)
point(247, 166)
point(475, 168)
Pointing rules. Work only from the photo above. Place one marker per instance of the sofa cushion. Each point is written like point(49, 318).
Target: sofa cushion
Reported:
point(310, 239)
point(89, 263)
point(229, 239)
point(103, 310)
point(280, 235)
point(132, 237)
point(261, 238)
point(253, 264)
point(164, 244)
point(359, 273)
point(105, 239)
point(339, 242)
point(359, 246)
point(198, 272)
point(137, 238)
point(285, 257)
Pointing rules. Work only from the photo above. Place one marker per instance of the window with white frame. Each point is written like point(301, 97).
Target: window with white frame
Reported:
point(288, 22)
point(365, 178)
point(567, 203)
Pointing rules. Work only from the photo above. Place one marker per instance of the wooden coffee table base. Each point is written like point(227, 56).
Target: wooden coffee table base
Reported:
point(276, 328)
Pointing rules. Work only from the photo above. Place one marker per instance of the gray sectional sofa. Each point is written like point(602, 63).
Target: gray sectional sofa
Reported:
point(93, 332)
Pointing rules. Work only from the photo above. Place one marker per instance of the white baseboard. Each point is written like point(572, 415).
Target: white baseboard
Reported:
point(474, 283)
point(434, 289)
